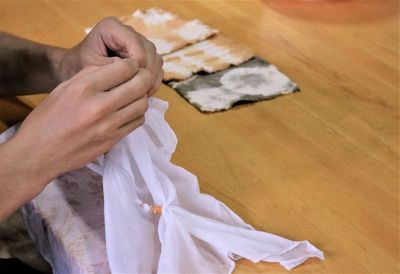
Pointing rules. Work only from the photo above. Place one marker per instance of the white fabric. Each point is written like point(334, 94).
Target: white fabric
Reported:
point(195, 232)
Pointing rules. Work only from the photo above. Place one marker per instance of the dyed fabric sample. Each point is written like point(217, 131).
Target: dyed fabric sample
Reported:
point(166, 30)
point(252, 81)
point(214, 54)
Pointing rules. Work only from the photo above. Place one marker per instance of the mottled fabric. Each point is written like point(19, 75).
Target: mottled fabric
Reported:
point(15, 242)
point(67, 222)
point(252, 81)
point(211, 55)
point(166, 30)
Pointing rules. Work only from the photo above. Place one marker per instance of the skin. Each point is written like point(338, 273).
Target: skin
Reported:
point(99, 94)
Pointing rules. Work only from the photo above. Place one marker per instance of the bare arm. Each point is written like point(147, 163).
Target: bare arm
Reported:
point(81, 119)
point(83, 116)
point(29, 67)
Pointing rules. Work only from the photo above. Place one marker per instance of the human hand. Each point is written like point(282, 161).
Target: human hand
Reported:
point(110, 39)
point(83, 118)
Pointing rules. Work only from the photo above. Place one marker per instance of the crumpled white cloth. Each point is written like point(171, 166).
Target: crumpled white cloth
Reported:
point(156, 219)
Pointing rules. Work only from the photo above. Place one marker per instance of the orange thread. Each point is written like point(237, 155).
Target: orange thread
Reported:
point(156, 209)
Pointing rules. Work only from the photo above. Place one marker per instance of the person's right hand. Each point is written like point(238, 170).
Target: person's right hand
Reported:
point(83, 118)
point(111, 38)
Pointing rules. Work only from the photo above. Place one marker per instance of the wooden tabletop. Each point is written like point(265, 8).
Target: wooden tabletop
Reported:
point(322, 164)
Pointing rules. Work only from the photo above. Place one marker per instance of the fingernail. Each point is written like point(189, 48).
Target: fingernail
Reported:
point(115, 59)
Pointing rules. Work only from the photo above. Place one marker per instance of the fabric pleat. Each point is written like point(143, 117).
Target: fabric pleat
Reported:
point(156, 219)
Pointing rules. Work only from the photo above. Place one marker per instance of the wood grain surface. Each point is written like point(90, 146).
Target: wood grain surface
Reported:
point(322, 164)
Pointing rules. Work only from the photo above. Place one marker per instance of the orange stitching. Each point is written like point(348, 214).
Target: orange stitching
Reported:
point(156, 209)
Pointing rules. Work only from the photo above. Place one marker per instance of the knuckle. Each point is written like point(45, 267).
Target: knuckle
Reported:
point(162, 75)
point(144, 105)
point(160, 60)
point(110, 20)
point(129, 27)
point(82, 86)
point(141, 59)
point(132, 64)
point(142, 82)
point(140, 120)
point(146, 79)
point(151, 47)
point(140, 108)
point(129, 66)
point(102, 131)
point(94, 112)
point(154, 89)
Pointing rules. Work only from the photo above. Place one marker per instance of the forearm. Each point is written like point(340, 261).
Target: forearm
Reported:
point(21, 179)
point(27, 67)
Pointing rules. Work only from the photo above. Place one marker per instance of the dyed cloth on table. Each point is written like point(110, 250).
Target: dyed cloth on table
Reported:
point(211, 55)
point(166, 30)
point(252, 81)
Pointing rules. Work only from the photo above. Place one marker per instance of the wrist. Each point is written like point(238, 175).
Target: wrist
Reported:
point(18, 181)
point(65, 62)
point(23, 169)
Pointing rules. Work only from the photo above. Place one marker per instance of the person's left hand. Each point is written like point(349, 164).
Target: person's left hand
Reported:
point(109, 40)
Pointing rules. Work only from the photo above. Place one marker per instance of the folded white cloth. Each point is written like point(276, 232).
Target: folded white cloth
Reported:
point(156, 219)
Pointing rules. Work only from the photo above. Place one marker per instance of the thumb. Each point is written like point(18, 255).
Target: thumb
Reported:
point(99, 60)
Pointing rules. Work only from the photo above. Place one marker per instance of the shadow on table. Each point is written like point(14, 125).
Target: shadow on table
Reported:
point(335, 11)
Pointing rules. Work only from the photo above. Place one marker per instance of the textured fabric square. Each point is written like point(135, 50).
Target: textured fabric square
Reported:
point(214, 54)
point(166, 30)
point(251, 81)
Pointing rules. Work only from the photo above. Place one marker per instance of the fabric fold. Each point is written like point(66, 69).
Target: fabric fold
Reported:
point(156, 219)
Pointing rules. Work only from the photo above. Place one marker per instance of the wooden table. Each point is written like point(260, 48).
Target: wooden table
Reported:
point(322, 164)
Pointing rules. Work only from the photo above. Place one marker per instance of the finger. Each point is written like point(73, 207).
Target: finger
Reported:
point(108, 76)
point(104, 60)
point(123, 41)
point(85, 70)
point(151, 52)
point(130, 28)
point(157, 84)
point(128, 92)
point(157, 67)
point(129, 127)
point(157, 76)
point(129, 113)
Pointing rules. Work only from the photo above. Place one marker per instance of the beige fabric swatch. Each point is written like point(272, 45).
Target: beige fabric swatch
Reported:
point(166, 30)
point(211, 55)
point(182, 43)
